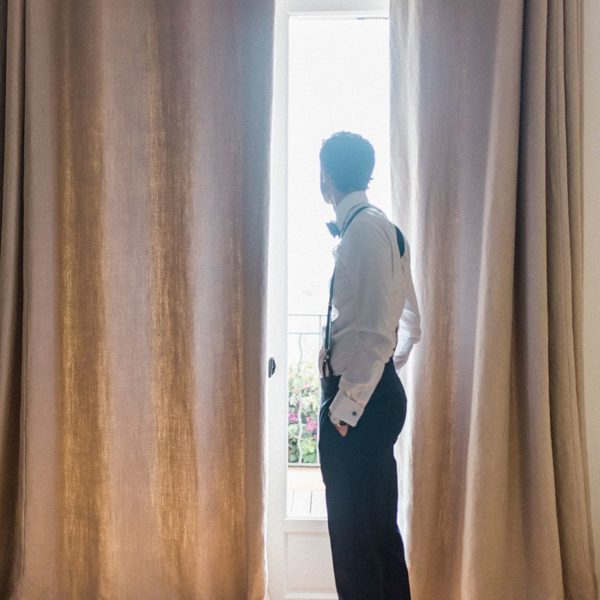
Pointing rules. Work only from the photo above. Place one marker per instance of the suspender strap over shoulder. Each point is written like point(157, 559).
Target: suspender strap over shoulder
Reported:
point(400, 239)
point(327, 370)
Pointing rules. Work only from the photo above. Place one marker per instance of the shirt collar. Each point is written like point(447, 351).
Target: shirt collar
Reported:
point(347, 205)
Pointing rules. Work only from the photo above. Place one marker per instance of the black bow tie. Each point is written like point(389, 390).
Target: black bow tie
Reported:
point(334, 230)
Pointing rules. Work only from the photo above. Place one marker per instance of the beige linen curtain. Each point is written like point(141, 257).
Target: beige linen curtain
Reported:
point(133, 252)
point(487, 175)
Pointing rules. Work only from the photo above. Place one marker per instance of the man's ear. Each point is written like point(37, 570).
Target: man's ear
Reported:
point(327, 179)
point(325, 184)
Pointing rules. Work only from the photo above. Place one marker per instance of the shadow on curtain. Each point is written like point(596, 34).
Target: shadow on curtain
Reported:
point(133, 261)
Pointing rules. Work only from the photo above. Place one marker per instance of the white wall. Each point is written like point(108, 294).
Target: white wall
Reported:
point(591, 182)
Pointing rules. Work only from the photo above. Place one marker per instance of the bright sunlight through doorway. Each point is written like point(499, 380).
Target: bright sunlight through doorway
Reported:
point(338, 80)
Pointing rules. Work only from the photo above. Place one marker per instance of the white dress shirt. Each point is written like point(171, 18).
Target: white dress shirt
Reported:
point(373, 294)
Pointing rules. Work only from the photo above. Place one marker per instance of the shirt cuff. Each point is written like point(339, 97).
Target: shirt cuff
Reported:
point(402, 353)
point(346, 409)
point(400, 360)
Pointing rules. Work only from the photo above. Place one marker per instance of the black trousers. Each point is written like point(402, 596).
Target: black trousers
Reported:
point(361, 492)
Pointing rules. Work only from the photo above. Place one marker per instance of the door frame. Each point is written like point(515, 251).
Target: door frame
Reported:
point(279, 525)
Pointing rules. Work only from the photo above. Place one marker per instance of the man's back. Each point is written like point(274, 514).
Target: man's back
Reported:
point(374, 298)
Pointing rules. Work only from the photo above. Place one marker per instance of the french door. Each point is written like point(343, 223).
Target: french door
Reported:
point(331, 74)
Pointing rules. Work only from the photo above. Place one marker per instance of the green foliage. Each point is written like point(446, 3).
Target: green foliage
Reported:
point(304, 398)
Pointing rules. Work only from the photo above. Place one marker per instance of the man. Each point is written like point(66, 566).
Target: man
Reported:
point(363, 405)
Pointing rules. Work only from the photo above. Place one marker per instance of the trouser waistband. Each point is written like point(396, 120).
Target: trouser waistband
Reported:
point(330, 384)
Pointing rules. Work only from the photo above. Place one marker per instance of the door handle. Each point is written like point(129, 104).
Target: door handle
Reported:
point(272, 366)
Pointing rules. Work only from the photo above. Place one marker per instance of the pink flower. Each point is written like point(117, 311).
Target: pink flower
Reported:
point(293, 418)
point(311, 424)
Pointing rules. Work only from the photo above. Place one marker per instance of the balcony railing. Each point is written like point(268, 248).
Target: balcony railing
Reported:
point(304, 390)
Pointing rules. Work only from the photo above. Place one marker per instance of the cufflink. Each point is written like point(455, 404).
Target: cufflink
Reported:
point(337, 422)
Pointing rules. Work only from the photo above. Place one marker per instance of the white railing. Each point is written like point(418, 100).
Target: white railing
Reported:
point(304, 340)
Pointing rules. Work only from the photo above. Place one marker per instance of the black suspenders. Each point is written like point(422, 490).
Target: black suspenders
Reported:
point(327, 345)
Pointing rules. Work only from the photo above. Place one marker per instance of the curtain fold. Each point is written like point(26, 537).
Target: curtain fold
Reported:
point(11, 283)
point(487, 172)
point(133, 261)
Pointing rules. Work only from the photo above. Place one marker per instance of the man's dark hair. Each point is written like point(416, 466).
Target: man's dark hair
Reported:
point(348, 159)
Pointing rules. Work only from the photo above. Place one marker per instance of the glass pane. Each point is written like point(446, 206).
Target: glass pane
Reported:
point(338, 80)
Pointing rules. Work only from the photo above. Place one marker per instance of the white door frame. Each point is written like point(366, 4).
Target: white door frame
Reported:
point(279, 525)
